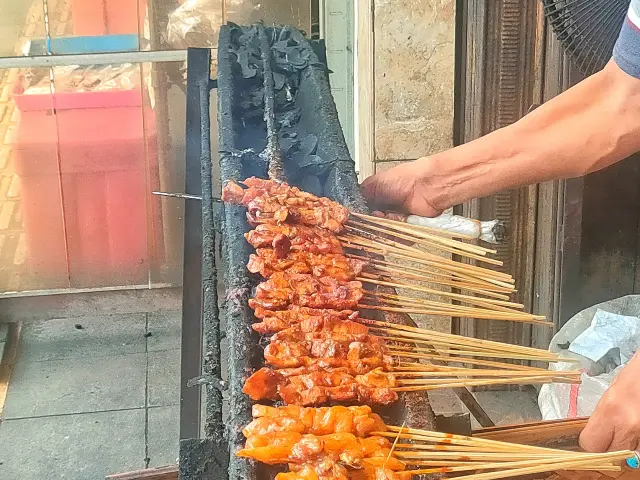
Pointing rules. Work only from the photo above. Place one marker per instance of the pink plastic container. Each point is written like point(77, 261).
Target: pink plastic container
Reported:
point(84, 184)
point(100, 17)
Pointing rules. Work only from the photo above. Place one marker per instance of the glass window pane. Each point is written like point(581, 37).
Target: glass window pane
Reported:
point(164, 117)
point(103, 173)
point(92, 18)
point(20, 22)
point(32, 240)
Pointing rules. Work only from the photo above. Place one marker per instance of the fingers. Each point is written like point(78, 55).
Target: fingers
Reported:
point(386, 190)
point(400, 189)
point(597, 435)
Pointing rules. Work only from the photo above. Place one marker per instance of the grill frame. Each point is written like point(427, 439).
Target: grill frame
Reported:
point(209, 225)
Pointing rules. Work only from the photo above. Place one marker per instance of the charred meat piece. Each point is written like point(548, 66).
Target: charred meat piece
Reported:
point(273, 202)
point(359, 420)
point(358, 353)
point(284, 289)
point(344, 448)
point(286, 237)
point(315, 386)
point(266, 261)
point(277, 320)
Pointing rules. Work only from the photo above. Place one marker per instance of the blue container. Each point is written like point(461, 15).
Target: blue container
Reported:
point(89, 44)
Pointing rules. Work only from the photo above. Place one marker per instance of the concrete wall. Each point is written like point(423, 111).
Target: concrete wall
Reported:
point(414, 73)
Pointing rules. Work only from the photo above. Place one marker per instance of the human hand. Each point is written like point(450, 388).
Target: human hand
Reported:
point(615, 423)
point(405, 188)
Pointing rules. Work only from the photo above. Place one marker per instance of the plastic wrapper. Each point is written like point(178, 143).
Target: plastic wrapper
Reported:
point(457, 224)
point(614, 324)
point(94, 78)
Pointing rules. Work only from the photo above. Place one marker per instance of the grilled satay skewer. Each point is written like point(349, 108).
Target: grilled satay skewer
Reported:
point(355, 437)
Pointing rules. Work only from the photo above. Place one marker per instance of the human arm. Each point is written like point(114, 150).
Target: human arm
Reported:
point(615, 423)
point(590, 126)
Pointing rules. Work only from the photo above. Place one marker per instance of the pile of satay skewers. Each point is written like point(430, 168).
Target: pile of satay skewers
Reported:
point(316, 258)
point(353, 443)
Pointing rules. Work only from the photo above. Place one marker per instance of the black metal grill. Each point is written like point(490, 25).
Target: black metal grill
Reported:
point(300, 127)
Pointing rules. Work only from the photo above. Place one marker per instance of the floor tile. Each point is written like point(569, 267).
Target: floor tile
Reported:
point(164, 435)
point(165, 329)
point(76, 385)
point(75, 447)
point(164, 378)
point(94, 336)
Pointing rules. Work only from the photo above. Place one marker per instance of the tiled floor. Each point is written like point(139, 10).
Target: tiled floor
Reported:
point(91, 396)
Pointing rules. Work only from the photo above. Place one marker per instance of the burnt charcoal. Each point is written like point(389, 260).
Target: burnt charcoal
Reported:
point(309, 144)
point(279, 80)
point(311, 184)
point(309, 164)
point(244, 59)
point(289, 146)
point(289, 118)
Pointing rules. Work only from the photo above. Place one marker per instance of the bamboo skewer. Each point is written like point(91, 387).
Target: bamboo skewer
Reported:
point(453, 296)
point(460, 272)
point(415, 253)
point(568, 464)
point(418, 228)
point(465, 353)
point(450, 308)
point(453, 309)
point(500, 465)
point(476, 373)
point(422, 254)
point(428, 275)
point(419, 333)
point(478, 315)
point(461, 251)
point(477, 383)
point(481, 353)
point(382, 272)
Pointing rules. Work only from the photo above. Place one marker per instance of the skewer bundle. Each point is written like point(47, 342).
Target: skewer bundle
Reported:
point(354, 443)
point(321, 265)
point(313, 289)
point(319, 226)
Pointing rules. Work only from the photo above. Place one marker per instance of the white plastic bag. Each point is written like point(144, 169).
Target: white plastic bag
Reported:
point(616, 324)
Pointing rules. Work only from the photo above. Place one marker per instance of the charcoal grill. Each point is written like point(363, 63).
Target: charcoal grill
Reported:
point(300, 129)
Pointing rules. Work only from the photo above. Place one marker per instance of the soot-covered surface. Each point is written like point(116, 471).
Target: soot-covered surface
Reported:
point(315, 158)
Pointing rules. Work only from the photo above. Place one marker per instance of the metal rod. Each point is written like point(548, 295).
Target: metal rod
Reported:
point(274, 155)
point(214, 427)
point(43, 61)
point(183, 195)
point(191, 351)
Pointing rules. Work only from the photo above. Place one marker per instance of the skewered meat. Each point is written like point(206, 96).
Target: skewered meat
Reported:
point(285, 237)
point(318, 327)
point(272, 202)
point(275, 321)
point(315, 386)
point(359, 420)
point(266, 261)
point(358, 353)
point(284, 289)
point(323, 470)
point(286, 447)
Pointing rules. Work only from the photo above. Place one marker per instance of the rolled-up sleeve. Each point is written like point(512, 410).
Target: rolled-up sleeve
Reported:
point(626, 52)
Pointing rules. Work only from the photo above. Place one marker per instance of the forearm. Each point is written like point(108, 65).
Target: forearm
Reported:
point(589, 127)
